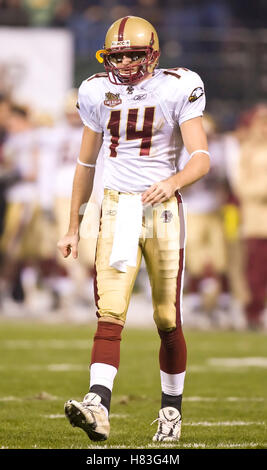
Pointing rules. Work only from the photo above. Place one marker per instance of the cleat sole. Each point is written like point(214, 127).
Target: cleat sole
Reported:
point(76, 419)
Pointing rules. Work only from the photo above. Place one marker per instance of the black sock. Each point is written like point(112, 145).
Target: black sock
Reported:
point(172, 400)
point(104, 393)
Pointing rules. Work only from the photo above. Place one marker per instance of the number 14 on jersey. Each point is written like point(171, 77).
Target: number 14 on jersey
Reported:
point(144, 135)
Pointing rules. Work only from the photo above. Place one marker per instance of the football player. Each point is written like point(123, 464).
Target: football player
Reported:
point(206, 246)
point(138, 112)
point(19, 157)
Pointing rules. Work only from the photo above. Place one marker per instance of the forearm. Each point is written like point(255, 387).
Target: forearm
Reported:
point(195, 140)
point(84, 176)
point(197, 167)
point(81, 192)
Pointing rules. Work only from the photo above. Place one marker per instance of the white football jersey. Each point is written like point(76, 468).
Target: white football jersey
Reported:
point(20, 153)
point(68, 147)
point(47, 139)
point(140, 124)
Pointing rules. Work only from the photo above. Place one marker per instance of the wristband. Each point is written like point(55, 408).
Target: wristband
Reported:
point(89, 165)
point(200, 151)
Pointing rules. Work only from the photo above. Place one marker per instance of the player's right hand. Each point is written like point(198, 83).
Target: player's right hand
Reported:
point(69, 244)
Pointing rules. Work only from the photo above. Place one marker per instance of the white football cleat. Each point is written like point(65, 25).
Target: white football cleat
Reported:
point(169, 425)
point(89, 415)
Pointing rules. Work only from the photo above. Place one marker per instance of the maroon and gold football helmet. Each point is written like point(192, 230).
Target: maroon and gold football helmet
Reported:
point(136, 38)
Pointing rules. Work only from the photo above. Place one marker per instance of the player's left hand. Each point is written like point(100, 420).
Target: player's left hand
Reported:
point(159, 192)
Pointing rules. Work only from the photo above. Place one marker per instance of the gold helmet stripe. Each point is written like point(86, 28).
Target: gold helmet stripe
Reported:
point(121, 28)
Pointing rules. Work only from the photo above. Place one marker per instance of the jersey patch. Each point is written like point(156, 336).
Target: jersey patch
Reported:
point(166, 216)
point(112, 99)
point(196, 93)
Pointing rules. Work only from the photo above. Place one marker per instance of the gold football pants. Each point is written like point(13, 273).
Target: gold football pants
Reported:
point(162, 245)
point(205, 244)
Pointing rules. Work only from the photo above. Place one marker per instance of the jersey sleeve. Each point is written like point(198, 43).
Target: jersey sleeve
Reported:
point(87, 107)
point(194, 101)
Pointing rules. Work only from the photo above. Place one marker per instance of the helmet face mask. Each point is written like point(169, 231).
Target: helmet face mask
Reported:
point(133, 72)
point(136, 39)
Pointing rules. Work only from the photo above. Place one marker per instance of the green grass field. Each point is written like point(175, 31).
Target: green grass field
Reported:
point(42, 366)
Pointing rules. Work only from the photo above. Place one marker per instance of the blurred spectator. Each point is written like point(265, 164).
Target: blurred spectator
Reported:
point(235, 250)
point(13, 13)
point(249, 14)
point(40, 13)
point(69, 281)
point(118, 11)
point(252, 193)
point(62, 14)
point(4, 113)
point(88, 27)
point(185, 26)
point(18, 242)
point(214, 14)
point(206, 250)
point(151, 10)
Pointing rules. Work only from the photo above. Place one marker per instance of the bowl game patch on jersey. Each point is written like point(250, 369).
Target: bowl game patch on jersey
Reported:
point(112, 99)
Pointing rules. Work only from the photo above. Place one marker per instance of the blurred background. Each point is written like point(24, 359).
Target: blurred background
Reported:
point(47, 48)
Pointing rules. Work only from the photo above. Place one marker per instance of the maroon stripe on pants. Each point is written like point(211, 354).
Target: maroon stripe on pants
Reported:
point(95, 271)
point(121, 28)
point(173, 352)
point(181, 258)
point(179, 287)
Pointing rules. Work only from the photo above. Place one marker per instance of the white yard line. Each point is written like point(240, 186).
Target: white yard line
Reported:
point(237, 362)
point(226, 423)
point(244, 444)
point(46, 344)
point(11, 398)
point(118, 416)
point(169, 445)
point(219, 364)
point(66, 367)
point(55, 416)
point(231, 399)
point(201, 445)
point(189, 399)
point(49, 367)
point(53, 367)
